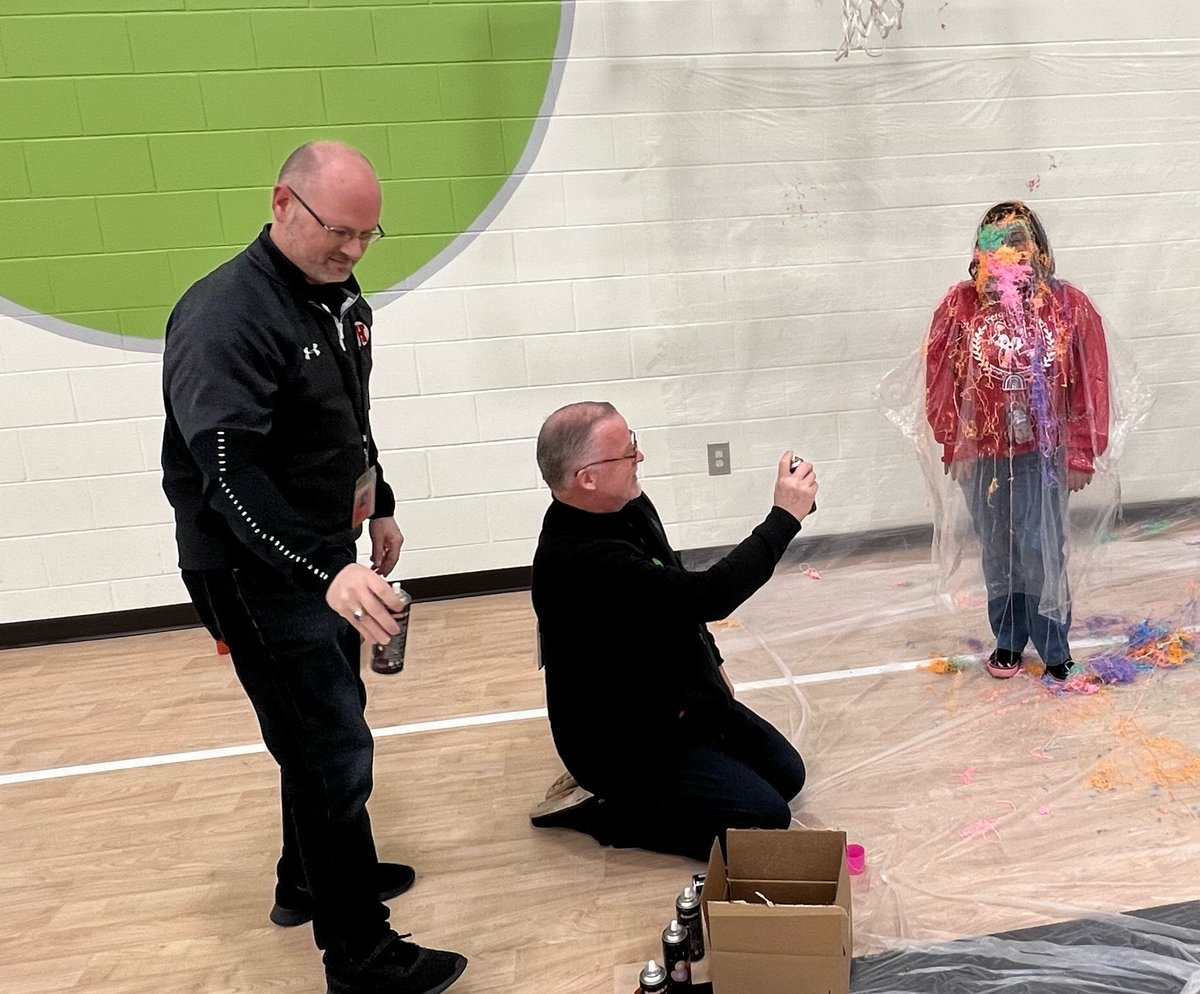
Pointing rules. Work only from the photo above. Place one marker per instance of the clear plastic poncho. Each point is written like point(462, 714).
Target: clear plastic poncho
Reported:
point(1017, 418)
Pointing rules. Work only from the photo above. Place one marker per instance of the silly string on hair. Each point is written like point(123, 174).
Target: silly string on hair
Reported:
point(1010, 269)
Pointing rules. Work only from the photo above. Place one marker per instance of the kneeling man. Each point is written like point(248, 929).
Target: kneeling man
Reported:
point(642, 714)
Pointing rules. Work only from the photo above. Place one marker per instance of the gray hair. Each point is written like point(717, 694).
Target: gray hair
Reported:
point(565, 441)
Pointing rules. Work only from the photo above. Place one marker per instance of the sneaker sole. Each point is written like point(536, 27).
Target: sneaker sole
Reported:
point(444, 985)
point(544, 815)
point(288, 917)
point(292, 917)
point(1002, 672)
point(458, 972)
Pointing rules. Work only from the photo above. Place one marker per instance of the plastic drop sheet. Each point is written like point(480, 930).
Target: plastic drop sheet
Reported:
point(1150, 951)
point(988, 805)
point(1012, 826)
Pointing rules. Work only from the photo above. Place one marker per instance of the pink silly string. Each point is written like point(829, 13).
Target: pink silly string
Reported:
point(967, 775)
point(1081, 684)
point(1009, 280)
point(1040, 752)
point(985, 826)
point(978, 829)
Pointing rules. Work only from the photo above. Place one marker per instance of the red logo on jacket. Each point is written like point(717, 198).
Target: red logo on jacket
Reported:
point(363, 332)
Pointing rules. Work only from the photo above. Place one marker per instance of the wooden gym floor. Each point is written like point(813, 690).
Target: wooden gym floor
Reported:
point(982, 805)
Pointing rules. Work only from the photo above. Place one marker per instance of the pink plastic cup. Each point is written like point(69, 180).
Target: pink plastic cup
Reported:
point(856, 858)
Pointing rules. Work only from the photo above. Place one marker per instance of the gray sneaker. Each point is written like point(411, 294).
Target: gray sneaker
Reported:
point(562, 811)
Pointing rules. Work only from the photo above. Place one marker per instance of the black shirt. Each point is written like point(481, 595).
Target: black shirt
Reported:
point(265, 386)
point(622, 628)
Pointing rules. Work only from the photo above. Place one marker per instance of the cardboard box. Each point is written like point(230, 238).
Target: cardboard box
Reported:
point(800, 945)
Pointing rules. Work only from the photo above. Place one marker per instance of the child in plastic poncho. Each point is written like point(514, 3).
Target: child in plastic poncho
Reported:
point(1016, 392)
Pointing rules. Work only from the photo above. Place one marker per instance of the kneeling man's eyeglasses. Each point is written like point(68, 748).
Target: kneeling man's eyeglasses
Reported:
point(631, 455)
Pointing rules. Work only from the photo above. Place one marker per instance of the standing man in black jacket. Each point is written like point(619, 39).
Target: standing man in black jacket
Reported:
point(642, 714)
point(269, 463)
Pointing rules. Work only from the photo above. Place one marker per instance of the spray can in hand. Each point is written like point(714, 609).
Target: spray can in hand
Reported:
point(687, 913)
point(652, 979)
point(389, 658)
point(796, 461)
point(676, 955)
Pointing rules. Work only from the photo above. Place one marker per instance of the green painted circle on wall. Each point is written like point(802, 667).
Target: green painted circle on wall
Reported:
point(137, 150)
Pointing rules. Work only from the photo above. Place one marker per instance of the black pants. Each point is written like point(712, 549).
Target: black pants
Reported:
point(737, 773)
point(298, 663)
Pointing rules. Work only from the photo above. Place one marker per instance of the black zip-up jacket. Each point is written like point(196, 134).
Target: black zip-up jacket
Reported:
point(622, 629)
point(265, 386)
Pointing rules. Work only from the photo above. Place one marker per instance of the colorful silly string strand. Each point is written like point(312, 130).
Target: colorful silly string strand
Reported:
point(1006, 272)
point(1149, 647)
point(860, 17)
point(1158, 646)
point(1041, 409)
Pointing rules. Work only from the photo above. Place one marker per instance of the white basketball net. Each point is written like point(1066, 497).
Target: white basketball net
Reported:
point(862, 17)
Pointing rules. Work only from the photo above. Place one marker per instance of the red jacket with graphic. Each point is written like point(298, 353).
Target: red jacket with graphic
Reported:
point(998, 385)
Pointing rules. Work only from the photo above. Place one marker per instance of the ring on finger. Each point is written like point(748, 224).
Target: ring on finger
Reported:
point(357, 613)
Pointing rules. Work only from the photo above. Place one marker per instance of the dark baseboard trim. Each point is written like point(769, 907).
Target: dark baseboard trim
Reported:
point(170, 617)
point(487, 581)
point(110, 624)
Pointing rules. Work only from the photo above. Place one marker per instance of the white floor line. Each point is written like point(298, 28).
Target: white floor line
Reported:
point(474, 720)
point(909, 664)
point(224, 752)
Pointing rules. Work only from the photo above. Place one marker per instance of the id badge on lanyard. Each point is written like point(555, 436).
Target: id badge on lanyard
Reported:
point(364, 498)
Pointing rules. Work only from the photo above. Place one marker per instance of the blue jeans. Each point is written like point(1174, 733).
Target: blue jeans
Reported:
point(734, 772)
point(298, 663)
point(1019, 522)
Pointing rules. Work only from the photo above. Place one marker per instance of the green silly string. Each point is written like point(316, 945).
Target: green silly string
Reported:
point(991, 237)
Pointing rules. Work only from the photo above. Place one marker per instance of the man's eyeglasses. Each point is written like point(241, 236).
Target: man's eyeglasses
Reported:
point(631, 455)
point(342, 234)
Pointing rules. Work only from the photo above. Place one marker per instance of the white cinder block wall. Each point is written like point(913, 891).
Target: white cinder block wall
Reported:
point(730, 237)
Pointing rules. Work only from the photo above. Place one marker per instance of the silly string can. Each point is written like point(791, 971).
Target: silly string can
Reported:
point(389, 658)
point(687, 913)
point(652, 980)
point(676, 953)
point(793, 465)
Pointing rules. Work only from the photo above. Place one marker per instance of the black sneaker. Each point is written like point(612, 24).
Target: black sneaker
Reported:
point(1060, 671)
point(294, 905)
point(394, 967)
